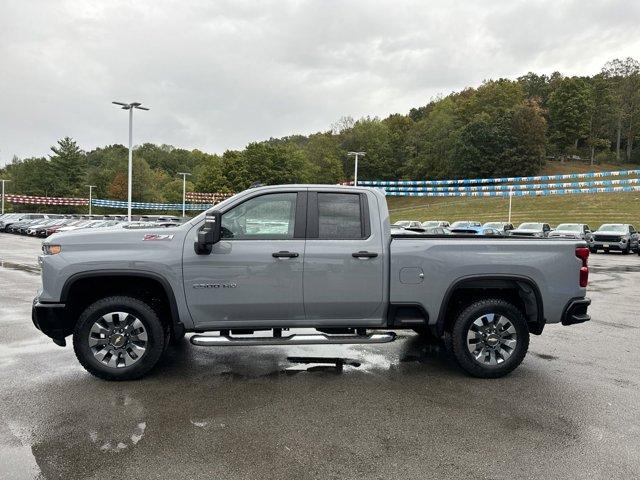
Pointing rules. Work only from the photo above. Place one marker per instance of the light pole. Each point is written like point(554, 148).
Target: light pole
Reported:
point(3, 181)
point(91, 187)
point(355, 174)
point(510, 197)
point(184, 189)
point(130, 107)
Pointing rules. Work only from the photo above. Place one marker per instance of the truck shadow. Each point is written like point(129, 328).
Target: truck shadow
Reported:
point(409, 352)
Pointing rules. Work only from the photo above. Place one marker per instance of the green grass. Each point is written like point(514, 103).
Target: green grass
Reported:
point(594, 209)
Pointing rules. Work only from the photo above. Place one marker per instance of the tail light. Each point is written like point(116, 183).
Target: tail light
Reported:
point(583, 254)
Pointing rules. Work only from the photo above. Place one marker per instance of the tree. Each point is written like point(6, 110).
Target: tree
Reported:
point(570, 107)
point(625, 78)
point(324, 157)
point(68, 168)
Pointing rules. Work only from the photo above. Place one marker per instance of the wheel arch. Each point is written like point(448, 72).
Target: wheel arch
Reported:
point(120, 282)
point(495, 285)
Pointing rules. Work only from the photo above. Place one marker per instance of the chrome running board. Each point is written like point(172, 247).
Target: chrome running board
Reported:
point(297, 339)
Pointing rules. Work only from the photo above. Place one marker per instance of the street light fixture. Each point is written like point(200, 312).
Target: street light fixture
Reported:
point(3, 181)
point(355, 174)
point(130, 107)
point(91, 187)
point(184, 190)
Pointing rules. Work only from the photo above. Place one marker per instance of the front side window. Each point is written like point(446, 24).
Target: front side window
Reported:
point(339, 216)
point(269, 217)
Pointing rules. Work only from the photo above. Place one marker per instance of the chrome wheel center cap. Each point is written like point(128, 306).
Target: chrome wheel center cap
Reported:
point(493, 340)
point(117, 340)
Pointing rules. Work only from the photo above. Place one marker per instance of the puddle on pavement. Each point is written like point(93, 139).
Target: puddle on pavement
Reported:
point(23, 267)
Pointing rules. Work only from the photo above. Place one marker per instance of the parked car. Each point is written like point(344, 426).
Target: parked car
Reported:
point(466, 227)
point(41, 226)
point(334, 267)
point(5, 225)
point(79, 225)
point(435, 224)
point(571, 230)
point(530, 229)
point(504, 227)
point(408, 224)
point(614, 236)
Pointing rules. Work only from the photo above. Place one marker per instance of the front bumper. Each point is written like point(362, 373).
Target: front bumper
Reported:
point(51, 319)
point(599, 245)
point(576, 311)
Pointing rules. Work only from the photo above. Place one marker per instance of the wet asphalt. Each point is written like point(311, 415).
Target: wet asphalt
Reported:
point(402, 410)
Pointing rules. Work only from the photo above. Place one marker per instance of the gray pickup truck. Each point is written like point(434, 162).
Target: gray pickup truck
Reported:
point(302, 256)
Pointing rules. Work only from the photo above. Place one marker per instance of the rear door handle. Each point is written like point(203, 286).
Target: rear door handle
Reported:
point(363, 254)
point(284, 254)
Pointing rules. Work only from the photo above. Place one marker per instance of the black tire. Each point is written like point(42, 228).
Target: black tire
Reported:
point(457, 338)
point(426, 335)
point(593, 250)
point(627, 249)
point(156, 333)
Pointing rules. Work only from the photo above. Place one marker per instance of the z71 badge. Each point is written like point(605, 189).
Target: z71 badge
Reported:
point(156, 236)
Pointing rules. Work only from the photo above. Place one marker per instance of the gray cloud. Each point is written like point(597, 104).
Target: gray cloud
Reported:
point(220, 74)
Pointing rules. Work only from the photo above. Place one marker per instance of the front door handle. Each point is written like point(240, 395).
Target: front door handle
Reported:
point(363, 254)
point(284, 254)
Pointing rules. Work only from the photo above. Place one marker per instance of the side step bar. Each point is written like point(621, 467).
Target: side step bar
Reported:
point(297, 339)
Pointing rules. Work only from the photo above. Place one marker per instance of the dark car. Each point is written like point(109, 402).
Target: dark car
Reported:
point(614, 236)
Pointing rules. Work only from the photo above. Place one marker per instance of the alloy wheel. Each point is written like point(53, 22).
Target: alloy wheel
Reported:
point(491, 339)
point(118, 339)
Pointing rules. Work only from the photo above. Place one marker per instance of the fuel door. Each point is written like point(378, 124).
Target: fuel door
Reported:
point(411, 275)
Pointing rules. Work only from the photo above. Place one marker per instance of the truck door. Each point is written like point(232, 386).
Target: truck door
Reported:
point(254, 274)
point(343, 266)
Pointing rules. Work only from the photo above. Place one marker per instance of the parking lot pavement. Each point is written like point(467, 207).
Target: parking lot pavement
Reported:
point(571, 410)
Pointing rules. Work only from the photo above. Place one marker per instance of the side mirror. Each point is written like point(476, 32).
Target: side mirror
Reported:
point(209, 234)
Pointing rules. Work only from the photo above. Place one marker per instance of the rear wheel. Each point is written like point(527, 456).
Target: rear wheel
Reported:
point(593, 250)
point(119, 338)
point(489, 338)
point(627, 249)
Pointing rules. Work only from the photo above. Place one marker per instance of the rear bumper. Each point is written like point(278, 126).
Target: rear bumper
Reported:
point(576, 311)
point(50, 319)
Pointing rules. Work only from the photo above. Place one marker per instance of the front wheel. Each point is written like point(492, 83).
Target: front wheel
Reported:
point(119, 338)
point(490, 338)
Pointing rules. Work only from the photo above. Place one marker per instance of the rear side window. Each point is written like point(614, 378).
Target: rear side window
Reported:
point(339, 216)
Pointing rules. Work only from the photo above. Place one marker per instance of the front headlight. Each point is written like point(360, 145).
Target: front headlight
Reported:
point(51, 249)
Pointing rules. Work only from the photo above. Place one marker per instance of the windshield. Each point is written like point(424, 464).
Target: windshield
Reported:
point(530, 226)
point(464, 224)
point(613, 227)
point(402, 223)
point(497, 225)
point(569, 227)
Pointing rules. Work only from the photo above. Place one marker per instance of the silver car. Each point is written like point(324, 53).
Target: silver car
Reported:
point(571, 230)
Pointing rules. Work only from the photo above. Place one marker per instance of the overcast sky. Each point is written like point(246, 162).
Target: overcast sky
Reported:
point(219, 74)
